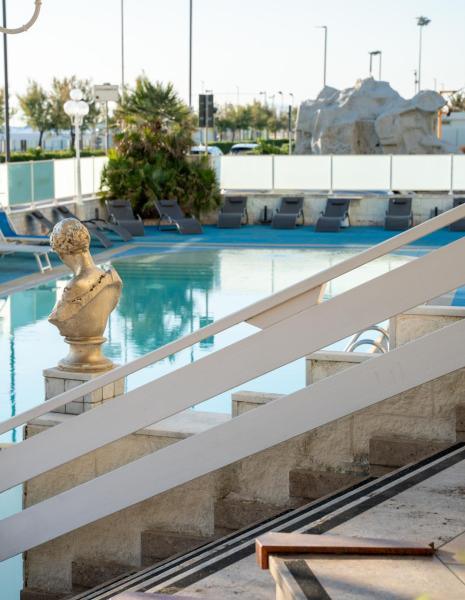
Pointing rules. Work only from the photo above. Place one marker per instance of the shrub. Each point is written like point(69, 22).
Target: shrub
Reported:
point(151, 159)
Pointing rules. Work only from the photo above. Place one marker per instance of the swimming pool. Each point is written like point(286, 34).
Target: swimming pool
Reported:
point(166, 295)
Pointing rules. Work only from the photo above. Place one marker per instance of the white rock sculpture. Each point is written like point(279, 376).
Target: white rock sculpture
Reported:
point(370, 118)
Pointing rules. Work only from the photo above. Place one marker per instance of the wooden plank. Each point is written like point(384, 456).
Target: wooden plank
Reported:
point(304, 543)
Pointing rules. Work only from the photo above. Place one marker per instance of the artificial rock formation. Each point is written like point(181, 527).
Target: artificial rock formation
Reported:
point(370, 118)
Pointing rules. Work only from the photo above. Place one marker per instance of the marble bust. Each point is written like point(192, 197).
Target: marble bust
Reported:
point(82, 312)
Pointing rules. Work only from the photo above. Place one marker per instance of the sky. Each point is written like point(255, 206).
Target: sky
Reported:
point(240, 47)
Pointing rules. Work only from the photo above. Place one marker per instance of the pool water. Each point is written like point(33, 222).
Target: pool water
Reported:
point(165, 296)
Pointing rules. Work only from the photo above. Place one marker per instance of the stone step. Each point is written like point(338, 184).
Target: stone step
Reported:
point(391, 452)
point(157, 545)
point(309, 484)
point(234, 512)
point(460, 422)
point(88, 574)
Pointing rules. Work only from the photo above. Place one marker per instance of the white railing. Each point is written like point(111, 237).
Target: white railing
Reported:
point(355, 173)
point(294, 324)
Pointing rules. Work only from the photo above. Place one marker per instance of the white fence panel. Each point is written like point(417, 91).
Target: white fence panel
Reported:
point(421, 172)
point(87, 175)
point(302, 172)
point(64, 174)
point(99, 163)
point(361, 172)
point(459, 173)
point(247, 172)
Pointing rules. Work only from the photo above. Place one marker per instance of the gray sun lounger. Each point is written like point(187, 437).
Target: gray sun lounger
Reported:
point(460, 224)
point(63, 212)
point(39, 216)
point(171, 213)
point(119, 230)
point(8, 232)
point(399, 214)
point(334, 216)
point(121, 213)
point(232, 212)
point(40, 253)
point(289, 210)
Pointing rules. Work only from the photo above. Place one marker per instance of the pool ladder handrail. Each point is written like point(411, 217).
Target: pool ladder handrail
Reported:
point(381, 343)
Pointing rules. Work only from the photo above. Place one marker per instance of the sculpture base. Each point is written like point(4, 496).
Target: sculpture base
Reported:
point(85, 356)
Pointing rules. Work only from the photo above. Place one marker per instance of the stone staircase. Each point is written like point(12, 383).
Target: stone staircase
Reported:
point(343, 455)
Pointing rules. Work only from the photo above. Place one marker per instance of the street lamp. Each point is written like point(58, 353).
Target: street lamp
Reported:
point(325, 27)
point(76, 108)
point(282, 101)
point(122, 48)
point(265, 100)
point(190, 54)
point(375, 53)
point(421, 22)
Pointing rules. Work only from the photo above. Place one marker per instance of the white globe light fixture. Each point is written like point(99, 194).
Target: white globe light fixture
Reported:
point(77, 109)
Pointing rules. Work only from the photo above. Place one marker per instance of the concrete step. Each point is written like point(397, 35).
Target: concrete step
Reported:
point(88, 574)
point(158, 545)
point(307, 484)
point(391, 452)
point(235, 512)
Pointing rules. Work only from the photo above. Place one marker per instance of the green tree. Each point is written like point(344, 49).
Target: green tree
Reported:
point(457, 102)
point(151, 156)
point(36, 107)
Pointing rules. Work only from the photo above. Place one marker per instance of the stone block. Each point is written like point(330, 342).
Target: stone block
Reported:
point(33, 594)
point(53, 387)
point(397, 451)
point(306, 483)
point(244, 401)
point(234, 512)
point(120, 387)
point(88, 574)
point(157, 545)
point(108, 391)
point(74, 408)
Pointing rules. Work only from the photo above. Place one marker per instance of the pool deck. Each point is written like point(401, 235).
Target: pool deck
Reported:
point(19, 272)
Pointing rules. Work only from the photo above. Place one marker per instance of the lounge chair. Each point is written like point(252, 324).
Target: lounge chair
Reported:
point(399, 214)
point(38, 216)
point(40, 253)
point(232, 212)
point(460, 224)
point(335, 216)
point(121, 213)
point(9, 233)
point(172, 214)
point(63, 212)
point(289, 210)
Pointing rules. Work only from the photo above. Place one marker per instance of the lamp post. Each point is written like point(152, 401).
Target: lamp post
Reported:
point(281, 106)
point(265, 99)
point(122, 48)
point(190, 53)
point(76, 108)
point(421, 22)
point(325, 27)
point(375, 53)
point(289, 121)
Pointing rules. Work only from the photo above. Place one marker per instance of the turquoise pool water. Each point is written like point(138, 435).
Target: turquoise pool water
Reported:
point(165, 296)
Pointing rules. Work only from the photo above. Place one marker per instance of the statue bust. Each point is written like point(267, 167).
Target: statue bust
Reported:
point(82, 312)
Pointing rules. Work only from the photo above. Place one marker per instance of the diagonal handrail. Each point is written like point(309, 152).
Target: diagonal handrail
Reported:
point(410, 365)
point(245, 314)
point(293, 337)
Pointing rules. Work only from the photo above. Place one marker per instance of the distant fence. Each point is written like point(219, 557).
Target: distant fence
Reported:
point(37, 181)
point(435, 173)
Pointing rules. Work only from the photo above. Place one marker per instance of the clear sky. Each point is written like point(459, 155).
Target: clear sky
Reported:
point(245, 45)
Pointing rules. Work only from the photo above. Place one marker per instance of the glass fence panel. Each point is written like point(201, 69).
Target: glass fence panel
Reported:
point(87, 176)
point(302, 172)
point(64, 178)
point(354, 173)
point(43, 180)
point(19, 183)
point(421, 172)
point(247, 172)
point(459, 173)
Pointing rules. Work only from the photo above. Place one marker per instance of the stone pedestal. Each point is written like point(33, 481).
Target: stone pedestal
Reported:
point(58, 381)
